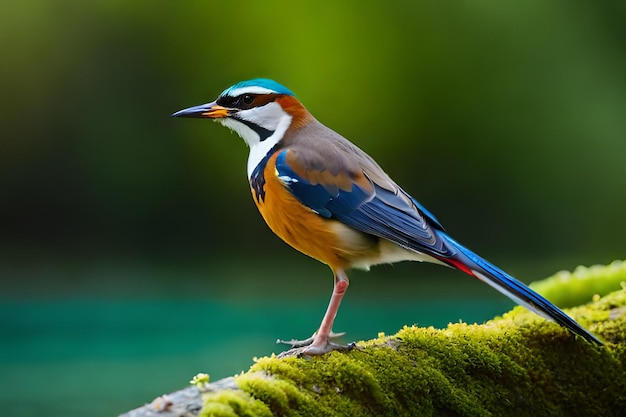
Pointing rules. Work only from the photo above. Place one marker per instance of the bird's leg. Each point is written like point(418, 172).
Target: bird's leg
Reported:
point(319, 343)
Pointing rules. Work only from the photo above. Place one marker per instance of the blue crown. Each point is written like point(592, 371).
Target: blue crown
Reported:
point(261, 82)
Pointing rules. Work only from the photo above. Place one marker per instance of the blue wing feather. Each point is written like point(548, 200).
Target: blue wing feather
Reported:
point(325, 199)
point(382, 213)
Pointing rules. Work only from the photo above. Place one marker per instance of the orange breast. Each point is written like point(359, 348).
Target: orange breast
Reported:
point(299, 226)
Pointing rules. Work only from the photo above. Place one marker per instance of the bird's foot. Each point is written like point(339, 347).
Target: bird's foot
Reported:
point(313, 346)
point(309, 341)
point(313, 350)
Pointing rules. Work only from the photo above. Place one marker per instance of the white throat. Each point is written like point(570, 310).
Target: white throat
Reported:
point(259, 150)
point(271, 117)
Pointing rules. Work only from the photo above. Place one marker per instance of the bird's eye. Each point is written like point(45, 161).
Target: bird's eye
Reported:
point(247, 99)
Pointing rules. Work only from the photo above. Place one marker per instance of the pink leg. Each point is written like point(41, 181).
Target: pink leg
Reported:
point(320, 342)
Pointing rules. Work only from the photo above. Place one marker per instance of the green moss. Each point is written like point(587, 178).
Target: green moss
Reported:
point(231, 403)
point(516, 365)
point(568, 289)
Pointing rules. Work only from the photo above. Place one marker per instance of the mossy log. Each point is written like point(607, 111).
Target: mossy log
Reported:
point(515, 365)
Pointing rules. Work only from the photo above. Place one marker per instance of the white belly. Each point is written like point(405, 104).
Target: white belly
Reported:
point(368, 252)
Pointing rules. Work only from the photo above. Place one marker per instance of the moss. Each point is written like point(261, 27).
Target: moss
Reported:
point(515, 365)
point(569, 289)
point(231, 403)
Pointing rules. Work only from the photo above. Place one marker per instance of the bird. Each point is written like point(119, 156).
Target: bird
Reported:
point(330, 200)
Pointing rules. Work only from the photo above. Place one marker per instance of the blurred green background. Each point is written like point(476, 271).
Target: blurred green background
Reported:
point(131, 253)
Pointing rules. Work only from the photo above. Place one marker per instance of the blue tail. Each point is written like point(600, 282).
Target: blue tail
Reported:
point(472, 264)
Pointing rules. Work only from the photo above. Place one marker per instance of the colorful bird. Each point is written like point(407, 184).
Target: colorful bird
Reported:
point(328, 199)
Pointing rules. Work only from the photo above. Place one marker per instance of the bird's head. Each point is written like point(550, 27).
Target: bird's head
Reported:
point(256, 110)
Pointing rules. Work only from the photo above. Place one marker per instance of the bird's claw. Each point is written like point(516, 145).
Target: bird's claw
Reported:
point(312, 350)
point(308, 341)
point(313, 347)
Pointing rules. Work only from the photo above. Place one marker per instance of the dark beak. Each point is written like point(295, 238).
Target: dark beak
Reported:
point(209, 110)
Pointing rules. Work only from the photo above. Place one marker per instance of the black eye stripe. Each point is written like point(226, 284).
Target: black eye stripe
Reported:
point(242, 102)
point(246, 101)
point(227, 101)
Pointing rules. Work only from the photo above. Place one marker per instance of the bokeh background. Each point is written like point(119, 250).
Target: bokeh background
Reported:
point(131, 254)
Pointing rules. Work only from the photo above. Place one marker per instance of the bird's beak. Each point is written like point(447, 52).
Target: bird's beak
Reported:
point(210, 110)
